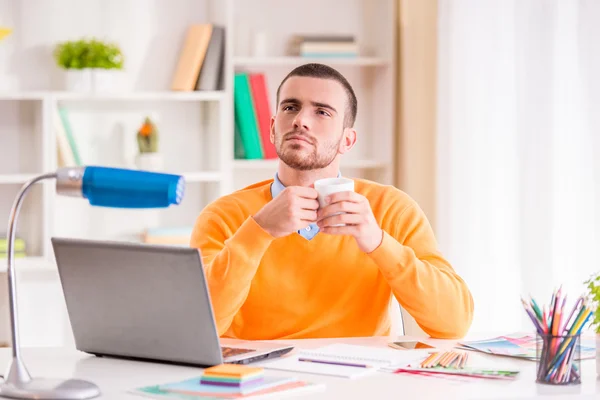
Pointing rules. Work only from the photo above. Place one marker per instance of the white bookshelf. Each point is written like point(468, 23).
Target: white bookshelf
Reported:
point(196, 128)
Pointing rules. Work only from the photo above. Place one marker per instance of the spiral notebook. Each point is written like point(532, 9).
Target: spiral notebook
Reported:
point(343, 360)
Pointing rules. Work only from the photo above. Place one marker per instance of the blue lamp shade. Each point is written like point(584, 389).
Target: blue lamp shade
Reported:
point(123, 188)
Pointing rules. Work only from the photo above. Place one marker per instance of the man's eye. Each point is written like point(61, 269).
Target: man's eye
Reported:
point(289, 108)
point(323, 112)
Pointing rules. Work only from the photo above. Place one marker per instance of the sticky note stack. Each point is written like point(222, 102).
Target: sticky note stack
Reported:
point(232, 375)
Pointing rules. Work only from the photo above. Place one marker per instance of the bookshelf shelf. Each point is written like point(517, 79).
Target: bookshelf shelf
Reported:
point(272, 164)
point(293, 61)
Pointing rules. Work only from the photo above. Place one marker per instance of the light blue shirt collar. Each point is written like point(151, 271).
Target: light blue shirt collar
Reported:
point(307, 232)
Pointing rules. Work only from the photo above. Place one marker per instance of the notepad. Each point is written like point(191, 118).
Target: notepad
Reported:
point(336, 360)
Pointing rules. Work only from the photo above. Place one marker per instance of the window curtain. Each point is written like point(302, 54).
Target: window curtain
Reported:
point(518, 150)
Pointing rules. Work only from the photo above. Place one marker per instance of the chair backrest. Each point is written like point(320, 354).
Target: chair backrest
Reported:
point(403, 324)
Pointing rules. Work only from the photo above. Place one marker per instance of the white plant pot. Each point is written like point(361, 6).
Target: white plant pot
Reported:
point(149, 161)
point(78, 80)
point(106, 80)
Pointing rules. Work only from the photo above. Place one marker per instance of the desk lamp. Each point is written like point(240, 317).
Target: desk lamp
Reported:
point(104, 187)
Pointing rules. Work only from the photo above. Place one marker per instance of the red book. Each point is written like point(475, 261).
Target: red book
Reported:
point(262, 110)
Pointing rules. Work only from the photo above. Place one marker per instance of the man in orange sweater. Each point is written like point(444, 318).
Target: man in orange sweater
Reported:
point(278, 267)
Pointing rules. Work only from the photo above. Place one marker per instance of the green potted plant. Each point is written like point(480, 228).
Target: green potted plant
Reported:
point(593, 286)
point(90, 64)
point(148, 158)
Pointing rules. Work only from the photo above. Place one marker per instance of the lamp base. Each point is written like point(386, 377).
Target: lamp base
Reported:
point(50, 389)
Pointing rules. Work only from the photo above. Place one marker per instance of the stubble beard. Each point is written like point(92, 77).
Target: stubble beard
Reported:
point(291, 155)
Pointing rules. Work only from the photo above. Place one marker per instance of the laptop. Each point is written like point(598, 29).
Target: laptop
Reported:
point(145, 302)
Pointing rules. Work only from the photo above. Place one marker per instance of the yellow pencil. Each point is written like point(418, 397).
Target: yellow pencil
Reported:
point(424, 362)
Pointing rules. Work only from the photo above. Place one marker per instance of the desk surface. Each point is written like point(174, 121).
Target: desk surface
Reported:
point(115, 377)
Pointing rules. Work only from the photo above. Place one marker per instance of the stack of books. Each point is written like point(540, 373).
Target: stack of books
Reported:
point(229, 381)
point(317, 46)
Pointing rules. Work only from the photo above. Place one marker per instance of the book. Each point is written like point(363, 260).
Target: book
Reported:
point(65, 154)
point(245, 117)
point(238, 146)
point(262, 109)
point(191, 57)
point(68, 132)
point(520, 345)
point(323, 46)
point(211, 73)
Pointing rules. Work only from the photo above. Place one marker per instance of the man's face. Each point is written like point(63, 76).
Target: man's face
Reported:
point(308, 128)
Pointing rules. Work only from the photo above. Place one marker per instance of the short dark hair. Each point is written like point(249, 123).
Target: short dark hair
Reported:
point(322, 71)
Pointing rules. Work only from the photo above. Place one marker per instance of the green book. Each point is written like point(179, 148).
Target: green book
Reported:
point(69, 133)
point(238, 146)
point(245, 117)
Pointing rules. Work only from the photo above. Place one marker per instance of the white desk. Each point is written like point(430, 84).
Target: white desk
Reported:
point(115, 377)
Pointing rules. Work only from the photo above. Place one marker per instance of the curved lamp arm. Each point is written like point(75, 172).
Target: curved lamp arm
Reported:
point(12, 287)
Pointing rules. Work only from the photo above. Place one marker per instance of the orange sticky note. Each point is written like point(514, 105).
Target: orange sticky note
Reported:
point(233, 370)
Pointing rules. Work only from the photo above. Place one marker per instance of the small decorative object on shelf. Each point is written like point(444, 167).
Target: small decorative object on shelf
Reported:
point(593, 286)
point(148, 158)
point(91, 65)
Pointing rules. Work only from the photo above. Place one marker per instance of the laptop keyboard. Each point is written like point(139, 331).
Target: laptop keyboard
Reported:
point(234, 351)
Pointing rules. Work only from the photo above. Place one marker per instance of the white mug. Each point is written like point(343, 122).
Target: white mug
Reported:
point(327, 186)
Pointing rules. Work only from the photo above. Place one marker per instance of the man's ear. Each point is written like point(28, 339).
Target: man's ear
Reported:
point(272, 130)
point(348, 140)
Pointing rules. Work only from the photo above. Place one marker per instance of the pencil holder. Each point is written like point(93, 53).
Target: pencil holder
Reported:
point(558, 359)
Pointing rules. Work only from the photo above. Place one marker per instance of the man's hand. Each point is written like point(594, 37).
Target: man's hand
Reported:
point(293, 209)
point(357, 216)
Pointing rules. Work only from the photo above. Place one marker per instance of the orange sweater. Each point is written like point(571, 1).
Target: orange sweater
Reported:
point(291, 287)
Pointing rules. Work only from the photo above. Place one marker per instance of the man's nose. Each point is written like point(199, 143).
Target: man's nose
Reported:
point(301, 121)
